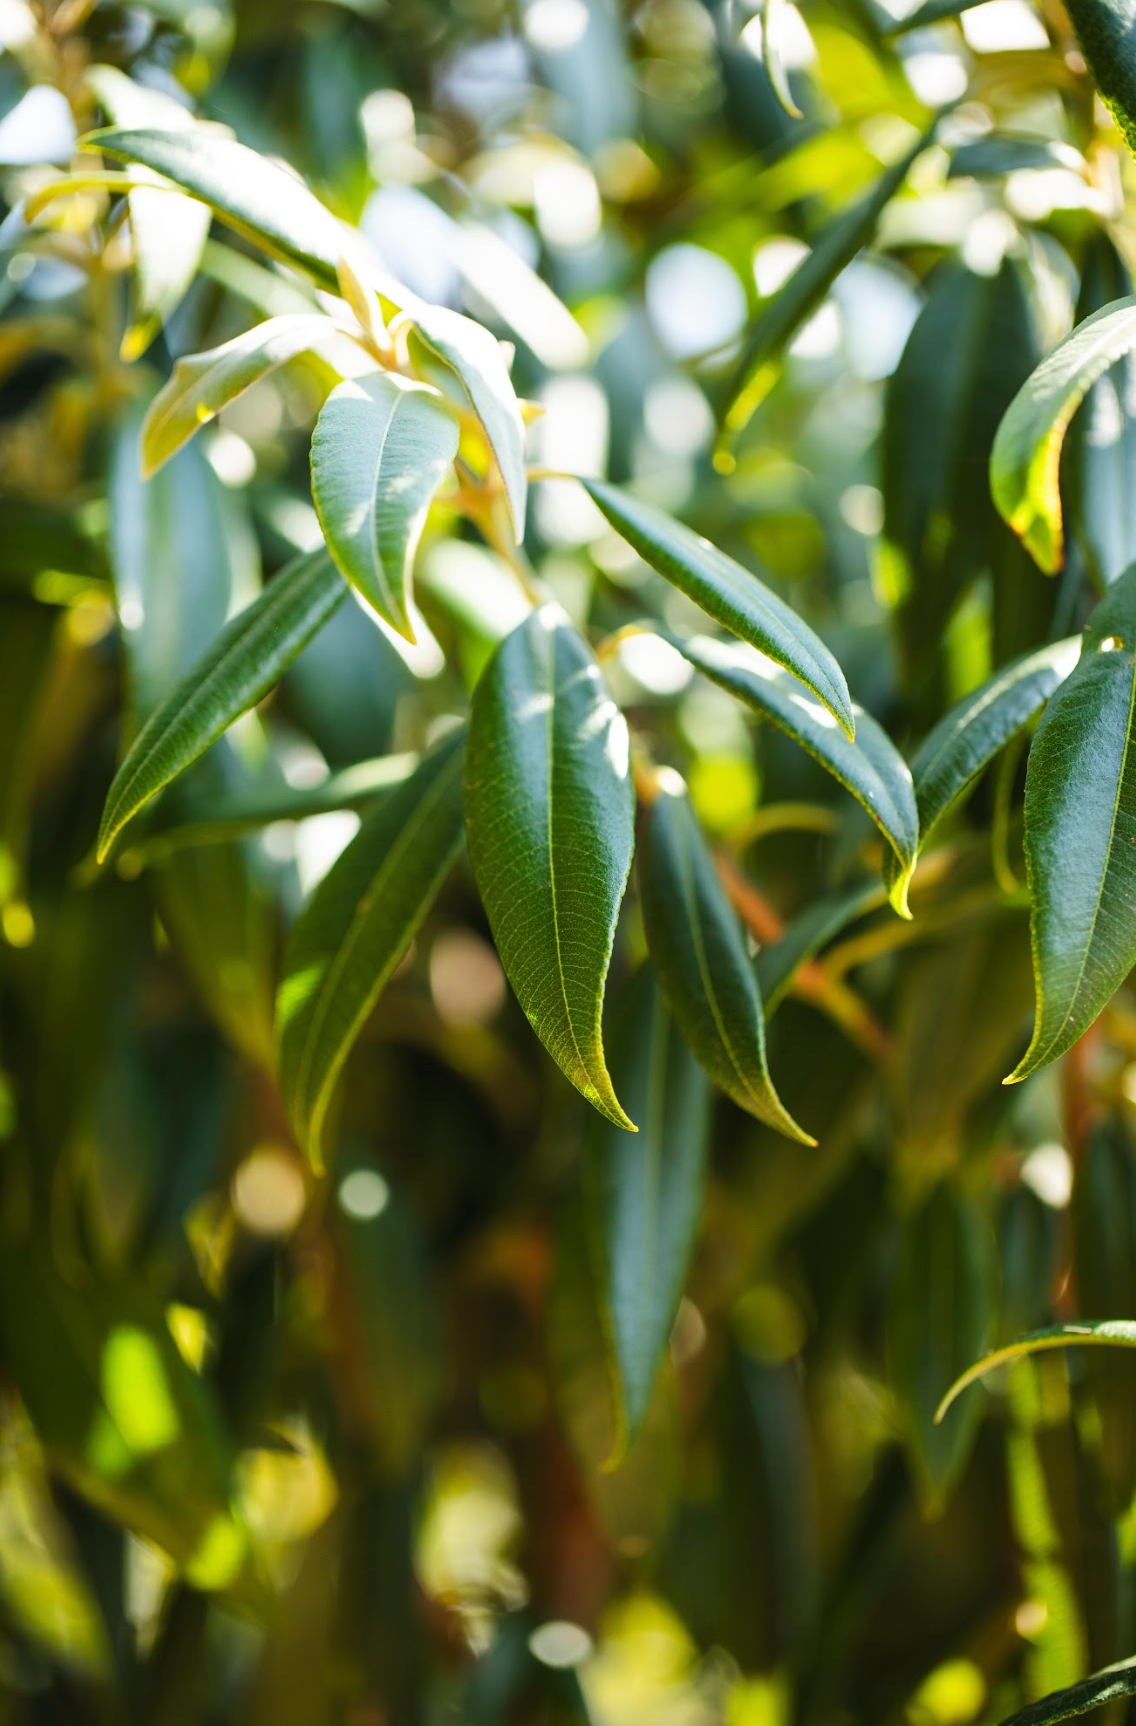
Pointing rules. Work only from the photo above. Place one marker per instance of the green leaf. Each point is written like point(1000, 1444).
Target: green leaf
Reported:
point(773, 59)
point(1026, 458)
point(699, 951)
point(357, 926)
point(1104, 1259)
point(550, 818)
point(1100, 453)
point(1104, 30)
point(972, 733)
point(1106, 1686)
point(381, 448)
point(260, 200)
point(728, 593)
point(471, 352)
point(1080, 833)
point(816, 926)
point(871, 767)
point(644, 1194)
point(202, 384)
point(239, 667)
point(1100, 1333)
point(779, 320)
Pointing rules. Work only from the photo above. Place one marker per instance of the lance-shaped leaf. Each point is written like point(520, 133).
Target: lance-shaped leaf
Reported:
point(700, 954)
point(1026, 458)
point(261, 200)
point(1080, 833)
point(1100, 1333)
point(240, 666)
point(550, 819)
point(728, 593)
point(475, 355)
point(1109, 1685)
point(644, 1193)
point(357, 926)
point(969, 737)
point(1104, 30)
point(381, 448)
point(871, 767)
point(778, 322)
point(202, 384)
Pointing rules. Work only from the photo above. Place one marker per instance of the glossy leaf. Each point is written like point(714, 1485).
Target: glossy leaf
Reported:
point(780, 319)
point(475, 356)
point(644, 1193)
point(1104, 30)
point(1110, 1685)
point(357, 926)
point(239, 668)
point(728, 593)
point(550, 813)
point(202, 384)
point(381, 448)
point(969, 737)
point(1100, 1333)
point(1026, 458)
point(699, 952)
point(1080, 833)
point(871, 767)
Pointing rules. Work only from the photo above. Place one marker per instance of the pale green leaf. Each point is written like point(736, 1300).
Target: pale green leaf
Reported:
point(381, 448)
point(699, 952)
point(355, 929)
point(550, 817)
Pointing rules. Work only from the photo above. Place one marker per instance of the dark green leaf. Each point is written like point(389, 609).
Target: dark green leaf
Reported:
point(1107, 1686)
point(1100, 449)
point(699, 952)
point(550, 816)
point(1104, 1235)
point(1104, 30)
point(1100, 1333)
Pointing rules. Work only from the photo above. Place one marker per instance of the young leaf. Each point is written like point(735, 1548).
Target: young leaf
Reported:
point(238, 668)
point(1108, 1685)
point(1080, 833)
point(728, 593)
point(973, 732)
point(644, 1193)
point(202, 384)
point(1102, 1333)
point(550, 819)
point(871, 767)
point(357, 926)
point(381, 448)
point(261, 200)
point(779, 321)
point(699, 952)
point(475, 355)
point(1026, 458)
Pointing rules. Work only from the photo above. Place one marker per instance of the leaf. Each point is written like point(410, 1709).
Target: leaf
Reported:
point(1080, 833)
point(259, 199)
point(644, 1194)
point(202, 384)
point(1104, 1258)
point(475, 355)
point(773, 59)
point(355, 929)
point(699, 952)
point(1101, 1333)
point(1100, 452)
point(728, 593)
point(1106, 1686)
point(381, 448)
point(1026, 458)
point(550, 820)
point(239, 668)
point(1104, 30)
point(871, 767)
point(778, 963)
point(972, 733)
point(779, 320)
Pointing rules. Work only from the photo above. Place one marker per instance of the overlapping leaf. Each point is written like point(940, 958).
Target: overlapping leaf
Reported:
point(549, 810)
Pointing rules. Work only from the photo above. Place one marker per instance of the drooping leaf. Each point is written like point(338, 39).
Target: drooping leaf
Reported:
point(728, 593)
point(357, 926)
point(1107, 1686)
point(1100, 1333)
point(202, 384)
point(260, 199)
point(1100, 450)
point(550, 818)
point(644, 1193)
point(871, 767)
point(381, 448)
point(779, 320)
point(239, 668)
point(699, 952)
point(475, 356)
point(972, 733)
point(1026, 458)
point(1080, 833)
point(773, 58)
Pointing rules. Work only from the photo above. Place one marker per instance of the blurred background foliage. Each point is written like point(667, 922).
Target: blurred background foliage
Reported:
point(282, 1449)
